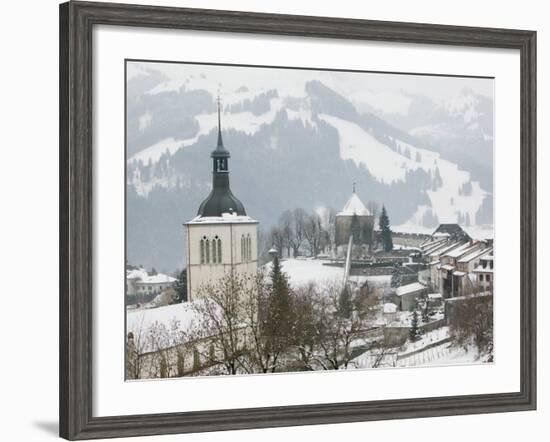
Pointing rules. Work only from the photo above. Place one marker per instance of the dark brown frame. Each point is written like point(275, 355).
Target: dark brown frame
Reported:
point(75, 408)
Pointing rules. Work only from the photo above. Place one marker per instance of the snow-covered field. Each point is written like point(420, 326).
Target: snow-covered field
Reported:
point(139, 322)
point(301, 272)
point(388, 166)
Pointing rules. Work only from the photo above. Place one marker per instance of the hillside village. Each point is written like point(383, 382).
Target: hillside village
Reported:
point(321, 291)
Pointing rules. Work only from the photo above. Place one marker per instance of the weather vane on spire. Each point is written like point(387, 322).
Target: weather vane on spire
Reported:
point(219, 101)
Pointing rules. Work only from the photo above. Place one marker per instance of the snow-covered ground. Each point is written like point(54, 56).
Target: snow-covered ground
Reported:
point(412, 355)
point(176, 316)
point(302, 271)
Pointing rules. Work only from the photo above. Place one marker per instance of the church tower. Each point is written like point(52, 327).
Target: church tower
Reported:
point(354, 219)
point(221, 238)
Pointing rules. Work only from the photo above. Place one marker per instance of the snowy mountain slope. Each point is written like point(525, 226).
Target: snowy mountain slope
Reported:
point(294, 134)
point(388, 165)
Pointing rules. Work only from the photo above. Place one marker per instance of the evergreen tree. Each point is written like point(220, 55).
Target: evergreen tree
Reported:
point(180, 286)
point(413, 331)
point(279, 321)
point(385, 231)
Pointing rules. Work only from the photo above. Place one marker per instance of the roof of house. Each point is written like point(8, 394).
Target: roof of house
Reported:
point(447, 247)
point(409, 288)
point(143, 277)
point(159, 278)
point(477, 253)
point(452, 230)
point(459, 251)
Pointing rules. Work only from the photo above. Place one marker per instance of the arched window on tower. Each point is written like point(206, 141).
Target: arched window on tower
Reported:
point(207, 251)
point(243, 251)
point(214, 251)
point(249, 247)
point(219, 241)
point(202, 251)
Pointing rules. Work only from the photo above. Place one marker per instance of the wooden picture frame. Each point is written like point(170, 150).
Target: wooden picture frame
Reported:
point(76, 243)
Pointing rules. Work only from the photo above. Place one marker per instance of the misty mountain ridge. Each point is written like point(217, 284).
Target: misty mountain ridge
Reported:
point(295, 146)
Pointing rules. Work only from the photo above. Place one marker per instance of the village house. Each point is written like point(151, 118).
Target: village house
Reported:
point(451, 256)
point(483, 272)
point(141, 282)
point(406, 295)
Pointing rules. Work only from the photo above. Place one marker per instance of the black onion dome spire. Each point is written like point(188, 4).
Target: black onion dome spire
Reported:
point(221, 199)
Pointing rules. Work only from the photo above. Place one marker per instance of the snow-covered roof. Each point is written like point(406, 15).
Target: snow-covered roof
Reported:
point(447, 267)
point(447, 247)
point(458, 251)
point(226, 218)
point(473, 255)
point(435, 295)
point(390, 307)
point(409, 288)
point(139, 273)
point(458, 273)
point(354, 206)
point(142, 277)
point(159, 278)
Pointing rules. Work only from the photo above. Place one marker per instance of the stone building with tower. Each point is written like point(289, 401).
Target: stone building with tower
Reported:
point(222, 238)
point(354, 219)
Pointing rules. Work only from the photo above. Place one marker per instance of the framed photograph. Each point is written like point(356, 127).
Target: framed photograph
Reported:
point(272, 220)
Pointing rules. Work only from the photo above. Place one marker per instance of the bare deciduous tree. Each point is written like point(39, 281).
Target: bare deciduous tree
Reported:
point(471, 323)
point(313, 233)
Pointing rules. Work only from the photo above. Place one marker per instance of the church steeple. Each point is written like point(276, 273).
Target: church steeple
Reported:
point(221, 199)
point(220, 154)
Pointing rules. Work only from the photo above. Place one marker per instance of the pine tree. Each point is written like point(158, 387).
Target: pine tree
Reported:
point(181, 287)
point(413, 331)
point(385, 231)
point(280, 322)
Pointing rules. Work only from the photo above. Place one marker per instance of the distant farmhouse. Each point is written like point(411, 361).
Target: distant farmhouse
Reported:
point(141, 282)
